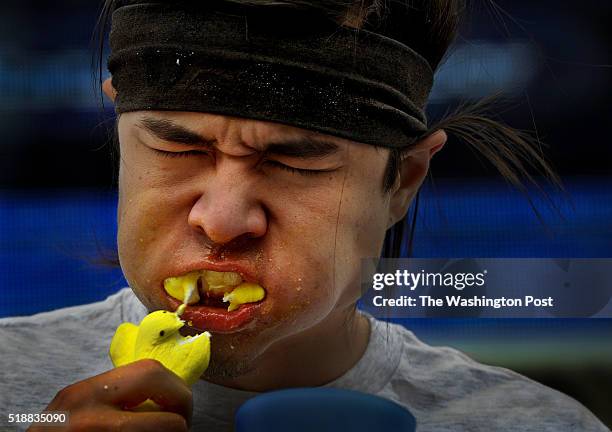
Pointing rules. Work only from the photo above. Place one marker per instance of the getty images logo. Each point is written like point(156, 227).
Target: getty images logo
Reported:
point(422, 278)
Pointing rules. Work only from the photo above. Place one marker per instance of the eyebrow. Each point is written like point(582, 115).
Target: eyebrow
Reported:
point(167, 130)
point(301, 147)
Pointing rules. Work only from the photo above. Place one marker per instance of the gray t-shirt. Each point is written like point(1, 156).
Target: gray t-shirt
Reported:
point(444, 389)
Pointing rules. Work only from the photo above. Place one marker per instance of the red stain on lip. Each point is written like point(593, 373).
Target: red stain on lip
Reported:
point(218, 320)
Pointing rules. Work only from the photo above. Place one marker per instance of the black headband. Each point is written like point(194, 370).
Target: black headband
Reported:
point(351, 83)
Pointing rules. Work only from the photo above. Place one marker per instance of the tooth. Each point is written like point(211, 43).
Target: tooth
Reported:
point(184, 288)
point(218, 280)
point(244, 293)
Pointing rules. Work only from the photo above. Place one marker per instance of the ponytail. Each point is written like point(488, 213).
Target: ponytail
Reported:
point(515, 154)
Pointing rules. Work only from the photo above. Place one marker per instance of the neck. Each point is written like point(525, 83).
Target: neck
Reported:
point(315, 357)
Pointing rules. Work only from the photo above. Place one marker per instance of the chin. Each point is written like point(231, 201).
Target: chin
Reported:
point(230, 361)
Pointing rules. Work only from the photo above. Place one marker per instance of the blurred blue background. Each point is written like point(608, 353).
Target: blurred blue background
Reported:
point(551, 63)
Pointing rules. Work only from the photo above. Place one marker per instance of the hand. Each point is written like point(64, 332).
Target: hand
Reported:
point(103, 402)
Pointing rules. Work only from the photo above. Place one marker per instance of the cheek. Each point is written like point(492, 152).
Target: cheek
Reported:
point(135, 234)
point(361, 232)
point(364, 239)
point(142, 215)
point(301, 254)
point(318, 248)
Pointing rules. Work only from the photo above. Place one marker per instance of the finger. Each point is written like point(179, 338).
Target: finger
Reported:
point(114, 420)
point(128, 386)
point(149, 379)
point(151, 422)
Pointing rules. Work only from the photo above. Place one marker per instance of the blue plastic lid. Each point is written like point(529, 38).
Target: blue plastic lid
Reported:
point(322, 409)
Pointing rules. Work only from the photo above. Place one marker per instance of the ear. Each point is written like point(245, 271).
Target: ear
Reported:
point(109, 90)
point(413, 169)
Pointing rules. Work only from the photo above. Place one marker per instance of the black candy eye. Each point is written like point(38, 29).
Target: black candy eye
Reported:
point(161, 333)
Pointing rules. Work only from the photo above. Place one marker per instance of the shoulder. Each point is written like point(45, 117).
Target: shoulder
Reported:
point(42, 353)
point(447, 390)
point(113, 307)
point(66, 328)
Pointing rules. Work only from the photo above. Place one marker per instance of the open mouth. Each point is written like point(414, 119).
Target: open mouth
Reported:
point(216, 301)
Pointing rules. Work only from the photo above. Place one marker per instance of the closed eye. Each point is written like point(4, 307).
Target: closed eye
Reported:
point(178, 154)
point(302, 171)
point(271, 162)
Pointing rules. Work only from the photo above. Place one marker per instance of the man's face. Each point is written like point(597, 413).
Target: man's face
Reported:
point(290, 209)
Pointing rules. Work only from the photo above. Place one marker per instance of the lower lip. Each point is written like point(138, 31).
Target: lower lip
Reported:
point(218, 320)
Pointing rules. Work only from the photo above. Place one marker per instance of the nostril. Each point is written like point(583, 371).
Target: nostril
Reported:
point(202, 238)
point(200, 229)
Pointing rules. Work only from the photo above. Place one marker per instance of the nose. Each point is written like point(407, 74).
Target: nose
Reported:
point(228, 209)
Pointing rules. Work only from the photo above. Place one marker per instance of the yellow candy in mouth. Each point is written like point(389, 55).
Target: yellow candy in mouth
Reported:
point(220, 280)
point(184, 288)
point(244, 293)
point(230, 284)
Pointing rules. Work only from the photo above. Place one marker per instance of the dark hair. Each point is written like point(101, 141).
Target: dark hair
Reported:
point(429, 27)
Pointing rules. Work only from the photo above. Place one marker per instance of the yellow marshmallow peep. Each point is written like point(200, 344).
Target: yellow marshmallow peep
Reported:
point(157, 337)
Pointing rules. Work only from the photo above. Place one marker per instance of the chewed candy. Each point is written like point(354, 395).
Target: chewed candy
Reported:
point(184, 287)
point(157, 337)
point(227, 286)
point(243, 293)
